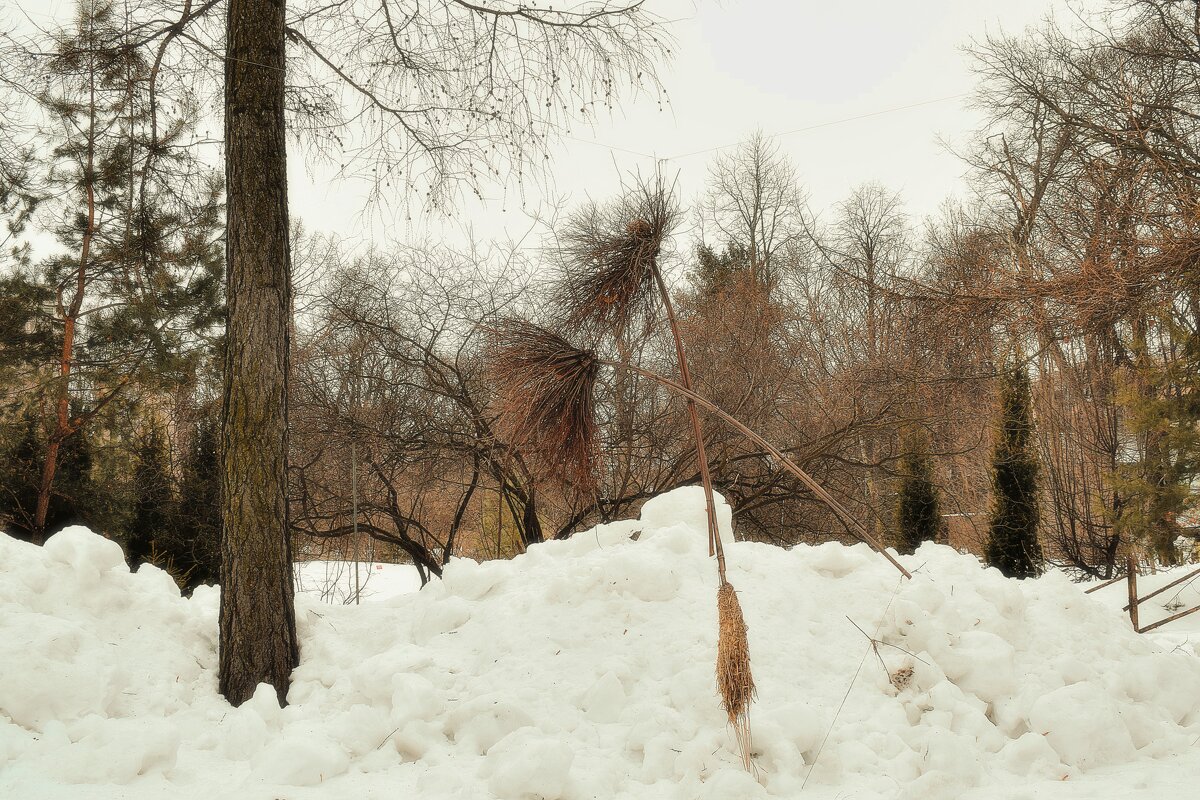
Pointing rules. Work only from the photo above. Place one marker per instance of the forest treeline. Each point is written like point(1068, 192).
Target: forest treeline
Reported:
point(1027, 359)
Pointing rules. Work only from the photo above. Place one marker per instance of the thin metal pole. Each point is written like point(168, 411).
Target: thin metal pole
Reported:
point(354, 506)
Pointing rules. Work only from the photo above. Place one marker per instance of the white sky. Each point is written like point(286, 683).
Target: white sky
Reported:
point(740, 65)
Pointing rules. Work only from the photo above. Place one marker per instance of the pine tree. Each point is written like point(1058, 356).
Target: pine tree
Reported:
point(258, 640)
point(153, 501)
point(1012, 545)
point(74, 490)
point(918, 515)
point(718, 270)
point(135, 285)
point(22, 461)
point(195, 548)
point(1161, 401)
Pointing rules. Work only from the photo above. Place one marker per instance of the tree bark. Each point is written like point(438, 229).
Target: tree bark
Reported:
point(258, 625)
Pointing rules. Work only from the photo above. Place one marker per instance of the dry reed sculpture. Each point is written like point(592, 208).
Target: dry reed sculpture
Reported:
point(611, 283)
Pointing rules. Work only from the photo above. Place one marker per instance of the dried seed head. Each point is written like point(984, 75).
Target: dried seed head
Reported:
point(902, 677)
point(609, 258)
point(545, 386)
point(638, 227)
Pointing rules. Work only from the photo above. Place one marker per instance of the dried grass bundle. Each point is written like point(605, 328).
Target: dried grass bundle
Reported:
point(609, 261)
point(546, 388)
point(734, 679)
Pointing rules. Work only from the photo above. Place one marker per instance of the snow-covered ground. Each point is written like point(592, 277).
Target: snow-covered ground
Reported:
point(584, 669)
point(1183, 633)
point(338, 582)
point(1178, 598)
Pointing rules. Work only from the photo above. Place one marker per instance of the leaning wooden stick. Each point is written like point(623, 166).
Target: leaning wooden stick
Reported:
point(1189, 576)
point(1171, 618)
point(852, 525)
point(685, 379)
point(735, 679)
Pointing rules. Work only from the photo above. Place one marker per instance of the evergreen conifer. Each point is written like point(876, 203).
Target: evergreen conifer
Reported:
point(918, 515)
point(1012, 545)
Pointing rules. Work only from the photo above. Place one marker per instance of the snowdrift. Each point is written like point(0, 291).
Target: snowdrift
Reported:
point(584, 669)
point(1183, 633)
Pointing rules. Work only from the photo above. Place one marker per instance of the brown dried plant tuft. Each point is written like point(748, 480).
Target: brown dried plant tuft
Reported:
point(546, 386)
point(734, 679)
point(609, 260)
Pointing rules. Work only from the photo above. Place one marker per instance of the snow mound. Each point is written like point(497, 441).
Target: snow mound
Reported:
point(584, 668)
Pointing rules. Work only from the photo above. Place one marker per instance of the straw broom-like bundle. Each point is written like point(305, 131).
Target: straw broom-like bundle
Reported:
point(521, 345)
point(611, 280)
point(609, 263)
point(734, 679)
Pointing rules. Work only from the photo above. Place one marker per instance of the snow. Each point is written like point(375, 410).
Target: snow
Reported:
point(1184, 633)
point(334, 581)
point(584, 669)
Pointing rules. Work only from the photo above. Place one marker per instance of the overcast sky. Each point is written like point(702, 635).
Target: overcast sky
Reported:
point(775, 65)
point(871, 89)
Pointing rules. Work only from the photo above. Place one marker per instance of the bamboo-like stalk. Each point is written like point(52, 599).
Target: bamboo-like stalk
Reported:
point(714, 534)
point(735, 680)
point(852, 525)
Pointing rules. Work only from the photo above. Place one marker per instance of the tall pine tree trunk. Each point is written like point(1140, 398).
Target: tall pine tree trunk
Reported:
point(70, 316)
point(258, 626)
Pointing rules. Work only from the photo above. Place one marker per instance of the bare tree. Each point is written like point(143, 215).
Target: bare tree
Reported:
point(390, 364)
point(442, 96)
point(754, 205)
point(1094, 154)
